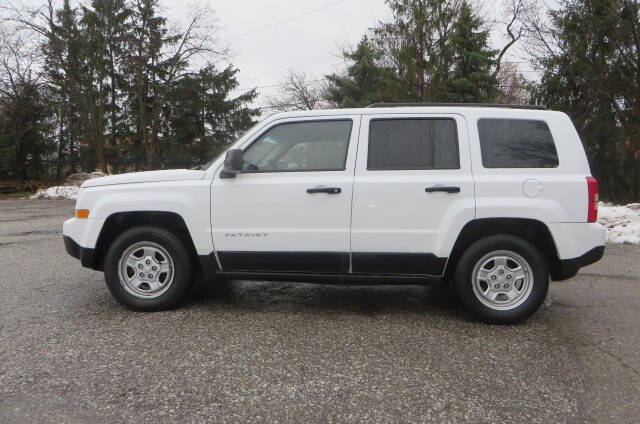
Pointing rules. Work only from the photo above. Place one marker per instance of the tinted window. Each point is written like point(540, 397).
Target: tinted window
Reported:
point(516, 143)
point(413, 144)
point(300, 146)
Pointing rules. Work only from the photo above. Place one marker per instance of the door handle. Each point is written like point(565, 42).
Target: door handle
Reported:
point(442, 189)
point(328, 190)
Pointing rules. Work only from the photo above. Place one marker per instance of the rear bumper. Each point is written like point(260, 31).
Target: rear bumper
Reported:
point(86, 256)
point(567, 268)
point(576, 239)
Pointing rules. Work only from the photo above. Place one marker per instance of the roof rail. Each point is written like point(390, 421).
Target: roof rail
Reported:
point(377, 105)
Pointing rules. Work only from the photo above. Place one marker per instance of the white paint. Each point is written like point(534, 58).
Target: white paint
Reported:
point(390, 210)
point(145, 177)
point(277, 203)
point(393, 213)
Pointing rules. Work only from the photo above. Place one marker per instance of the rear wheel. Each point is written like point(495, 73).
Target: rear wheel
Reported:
point(147, 269)
point(502, 279)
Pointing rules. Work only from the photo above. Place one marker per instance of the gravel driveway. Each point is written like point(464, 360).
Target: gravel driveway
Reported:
point(272, 352)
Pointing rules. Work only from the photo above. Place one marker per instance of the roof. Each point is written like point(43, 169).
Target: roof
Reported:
point(520, 111)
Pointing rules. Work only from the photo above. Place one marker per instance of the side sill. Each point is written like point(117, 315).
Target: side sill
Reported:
point(363, 279)
point(568, 268)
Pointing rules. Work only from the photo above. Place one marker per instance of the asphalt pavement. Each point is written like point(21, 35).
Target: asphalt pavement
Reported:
point(281, 352)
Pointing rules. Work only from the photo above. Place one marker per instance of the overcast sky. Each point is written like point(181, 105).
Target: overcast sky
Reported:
point(310, 40)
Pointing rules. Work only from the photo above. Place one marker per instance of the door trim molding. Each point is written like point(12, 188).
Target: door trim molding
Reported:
point(398, 263)
point(368, 263)
point(269, 261)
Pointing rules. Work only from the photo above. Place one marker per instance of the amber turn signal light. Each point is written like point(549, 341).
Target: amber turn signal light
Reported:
point(82, 213)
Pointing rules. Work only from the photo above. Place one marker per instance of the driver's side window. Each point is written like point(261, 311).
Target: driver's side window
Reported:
point(300, 146)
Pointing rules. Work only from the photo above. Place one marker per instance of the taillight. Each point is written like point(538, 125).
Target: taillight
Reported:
point(592, 209)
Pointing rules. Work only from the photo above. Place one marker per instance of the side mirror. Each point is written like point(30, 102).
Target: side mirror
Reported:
point(232, 164)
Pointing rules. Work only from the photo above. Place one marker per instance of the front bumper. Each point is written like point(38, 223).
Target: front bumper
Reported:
point(87, 256)
point(80, 240)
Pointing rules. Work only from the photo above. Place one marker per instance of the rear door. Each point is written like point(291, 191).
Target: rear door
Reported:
point(413, 192)
point(290, 208)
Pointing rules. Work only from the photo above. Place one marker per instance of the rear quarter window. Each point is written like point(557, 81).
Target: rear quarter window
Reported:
point(516, 143)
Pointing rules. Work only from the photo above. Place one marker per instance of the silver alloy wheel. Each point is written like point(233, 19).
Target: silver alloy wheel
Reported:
point(146, 270)
point(502, 280)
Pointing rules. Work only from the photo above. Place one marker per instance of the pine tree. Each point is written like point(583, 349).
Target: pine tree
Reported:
point(202, 118)
point(145, 64)
point(63, 64)
point(594, 75)
point(415, 46)
point(23, 130)
point(109, 18)
point(364, 82)
point(123, 89)
point(472, 79)
point(94, 84)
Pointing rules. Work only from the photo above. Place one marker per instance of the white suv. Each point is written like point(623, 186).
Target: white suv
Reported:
point(495, 200)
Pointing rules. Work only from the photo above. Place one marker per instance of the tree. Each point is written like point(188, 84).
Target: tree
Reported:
point(109, 20)
point(438, 51)
point(415, 45)
point(158, 58)
point(297, 92)
point(513, 86)
point(472, 79)
point(363, 83)
point(24, 113)
point(594, 76)
point(202, 119)
point(23, 130)
point(118, 75)
point(62, 49)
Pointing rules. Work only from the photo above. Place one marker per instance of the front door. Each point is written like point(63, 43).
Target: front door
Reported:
point(413, 193)
point(290, 208)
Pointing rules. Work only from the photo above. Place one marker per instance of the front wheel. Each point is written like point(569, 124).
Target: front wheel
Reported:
point(502, 279)
point(147, 269)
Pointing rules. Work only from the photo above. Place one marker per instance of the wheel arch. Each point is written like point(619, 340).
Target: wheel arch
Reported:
point(534, 231)
point(118, 222)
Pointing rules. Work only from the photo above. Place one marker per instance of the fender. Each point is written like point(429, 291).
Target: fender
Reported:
point(190, 199)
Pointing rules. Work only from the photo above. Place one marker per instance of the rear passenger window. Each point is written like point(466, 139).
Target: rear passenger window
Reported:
point(516, 143)
point(399, 144)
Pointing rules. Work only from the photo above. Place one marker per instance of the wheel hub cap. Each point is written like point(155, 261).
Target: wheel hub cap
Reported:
point(502, 280)
point(146, 270)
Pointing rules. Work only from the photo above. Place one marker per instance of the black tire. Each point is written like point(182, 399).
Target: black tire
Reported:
point(181, 268)
point(476, 252)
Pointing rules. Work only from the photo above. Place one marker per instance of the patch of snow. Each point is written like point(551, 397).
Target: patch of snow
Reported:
point(622, 222)
point(57, 193)
point(80, 177)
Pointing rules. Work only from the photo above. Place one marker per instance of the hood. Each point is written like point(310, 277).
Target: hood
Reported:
point(146, 177)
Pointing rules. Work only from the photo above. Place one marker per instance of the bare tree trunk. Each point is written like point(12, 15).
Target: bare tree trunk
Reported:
point(113, 103)
point(142, 112)
point(60, 147)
